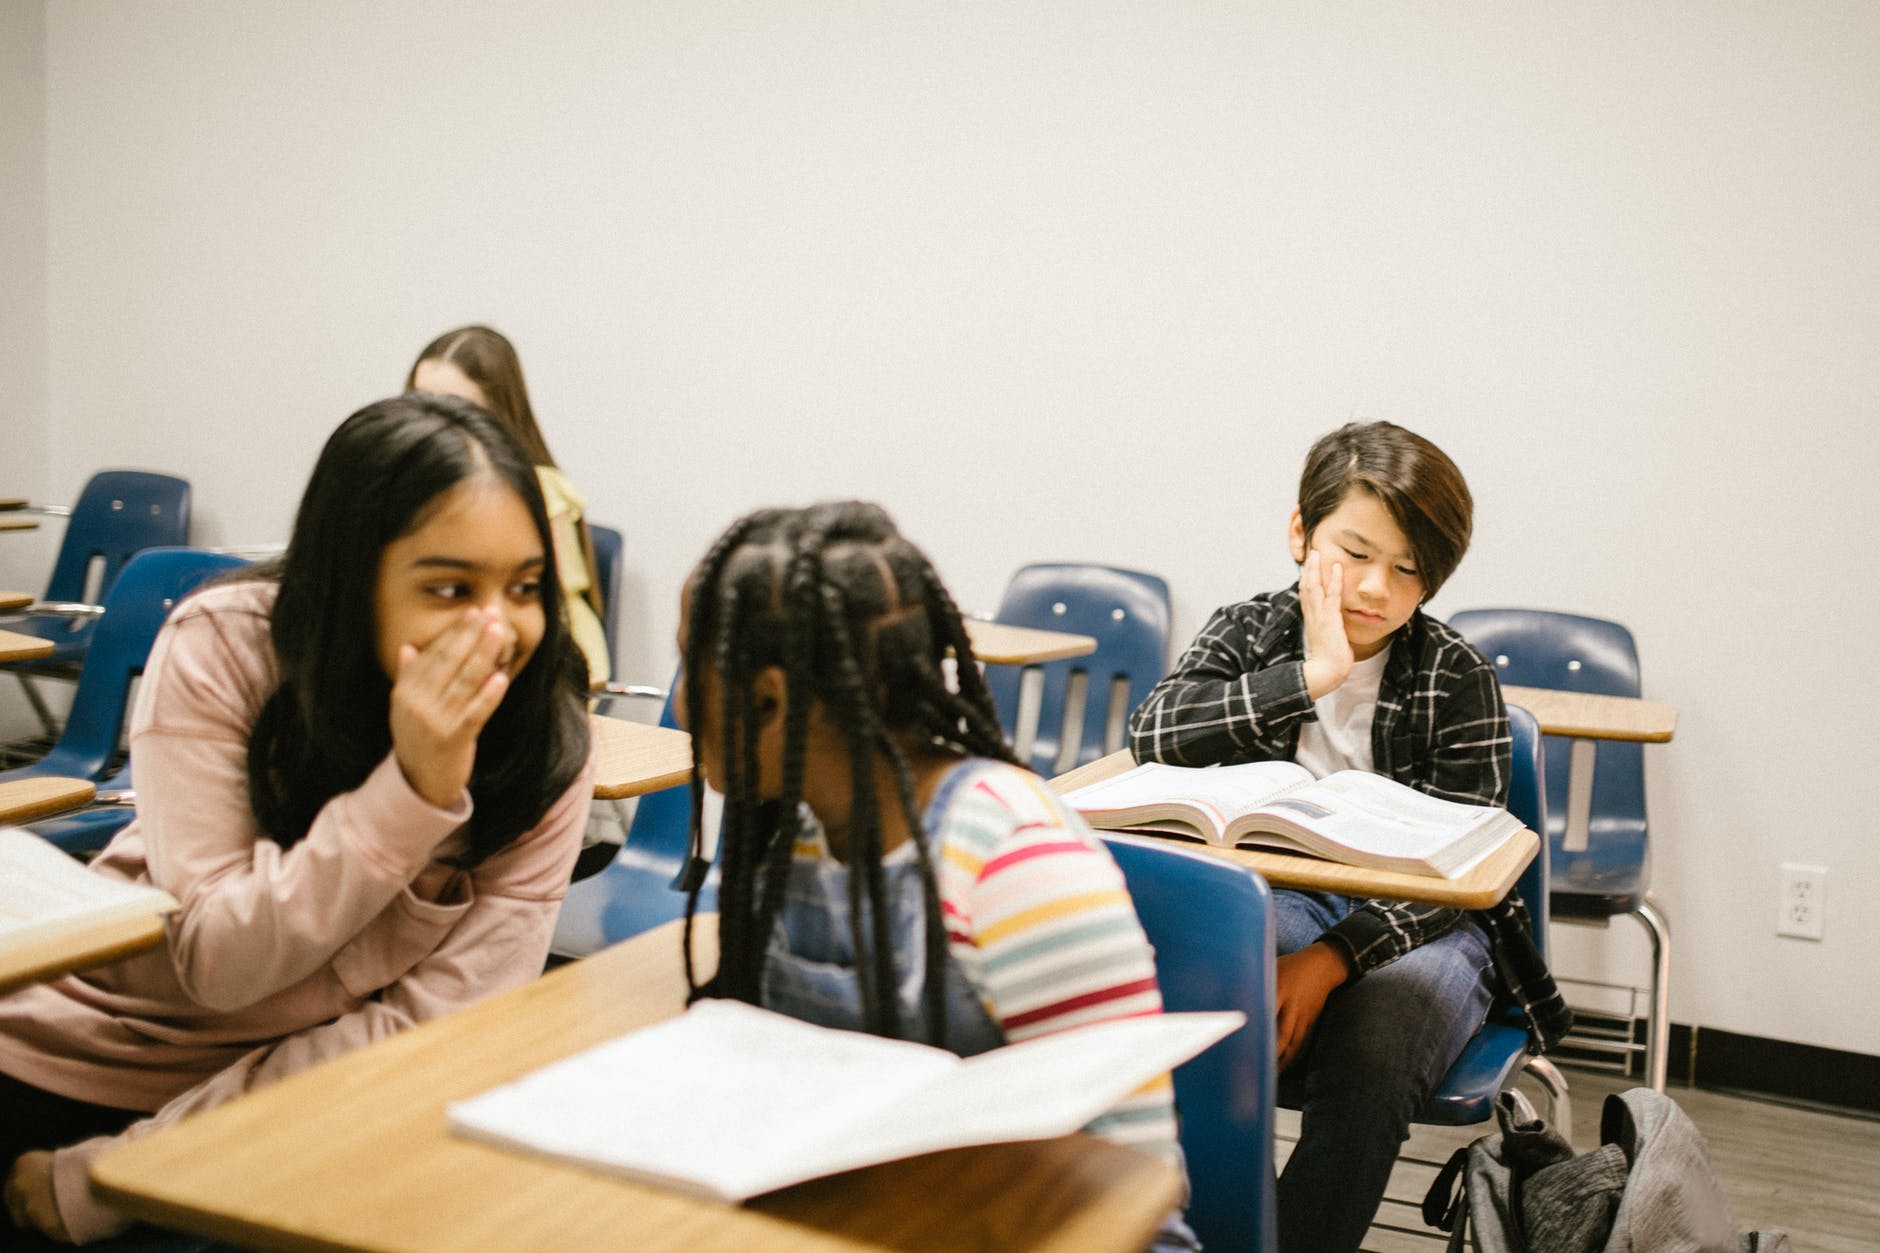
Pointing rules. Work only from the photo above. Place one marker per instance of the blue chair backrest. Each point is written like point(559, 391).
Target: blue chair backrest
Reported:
point(1570, 653)
point(149, 586)
point(1491, 1059)
point(1210, 922)
point(120, 512)
point(607, 545)
point(639, 888)
point(1125, 611)
point(1527, 800)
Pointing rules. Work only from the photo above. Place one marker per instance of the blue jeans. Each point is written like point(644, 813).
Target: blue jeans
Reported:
point(1383, 1043)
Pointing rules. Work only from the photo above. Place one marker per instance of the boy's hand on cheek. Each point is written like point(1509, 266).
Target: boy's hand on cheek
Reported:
point(1322, 605)
point(443, 695)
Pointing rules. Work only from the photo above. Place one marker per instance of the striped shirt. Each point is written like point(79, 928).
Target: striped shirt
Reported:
point(1239, 694)
point(1039, 921)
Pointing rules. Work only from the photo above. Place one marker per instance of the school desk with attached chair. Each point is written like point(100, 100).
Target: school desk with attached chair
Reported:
point(1580, 677)
point(118, 514)
point(1082, 699)
point(355, 1154)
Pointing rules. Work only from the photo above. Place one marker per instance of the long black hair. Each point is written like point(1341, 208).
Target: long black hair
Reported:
point(860, 624)
point(327, 725)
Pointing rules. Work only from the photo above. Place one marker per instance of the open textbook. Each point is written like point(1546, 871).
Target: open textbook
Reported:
point(1353, 816)
point(727, 1101)
point(45, 892)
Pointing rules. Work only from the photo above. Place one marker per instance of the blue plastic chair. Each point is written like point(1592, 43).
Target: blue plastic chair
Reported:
point(119, 513)
point(1210, 922)
point(639, 889)
point(1127, 612)
point(149, 586)
point(607, 547)
point(1601, 860)
point(1497, 1054)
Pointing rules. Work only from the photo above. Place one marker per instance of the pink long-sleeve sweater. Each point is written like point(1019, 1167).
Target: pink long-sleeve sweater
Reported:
point(277, 959)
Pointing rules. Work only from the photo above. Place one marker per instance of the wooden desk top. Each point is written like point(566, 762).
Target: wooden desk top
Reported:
point(80, 948)
point(9, 601)
point(1480, 888)
point(1003, 644)
point(1585, 716)
point(33, 798)
point(15, 646)
point(354, 1154)
point(633, 758)
point(60, 947)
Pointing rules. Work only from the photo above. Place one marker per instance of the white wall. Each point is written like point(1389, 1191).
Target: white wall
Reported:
point(1072, 280)
point(23, 246)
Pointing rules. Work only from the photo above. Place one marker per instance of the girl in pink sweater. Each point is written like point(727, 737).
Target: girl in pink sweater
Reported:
point(362, 771)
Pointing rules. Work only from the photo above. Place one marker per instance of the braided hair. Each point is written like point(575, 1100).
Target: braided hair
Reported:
point(860, 624)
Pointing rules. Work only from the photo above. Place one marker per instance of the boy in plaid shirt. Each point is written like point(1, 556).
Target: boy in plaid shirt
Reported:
point(1344, 671)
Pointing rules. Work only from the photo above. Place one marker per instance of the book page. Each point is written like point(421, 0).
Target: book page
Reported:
point(728, 1101)
point(1220, 792)
point(1373, 814)
point(1049, 1086)
point(43, 889)
point(722, 1100)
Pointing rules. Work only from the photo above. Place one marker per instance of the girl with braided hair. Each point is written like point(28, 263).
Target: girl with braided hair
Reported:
point(886, 866)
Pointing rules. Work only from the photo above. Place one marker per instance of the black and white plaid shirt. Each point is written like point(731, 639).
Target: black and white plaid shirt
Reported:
point(1239, 694)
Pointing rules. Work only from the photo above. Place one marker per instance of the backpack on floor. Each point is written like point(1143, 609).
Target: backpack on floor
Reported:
point(1648, 1187)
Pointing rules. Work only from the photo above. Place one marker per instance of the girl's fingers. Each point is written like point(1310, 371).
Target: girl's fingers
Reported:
point(484, 702)
point(453, 666)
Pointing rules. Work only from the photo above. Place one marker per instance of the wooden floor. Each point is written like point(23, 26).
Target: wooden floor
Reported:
point(1815, 1174)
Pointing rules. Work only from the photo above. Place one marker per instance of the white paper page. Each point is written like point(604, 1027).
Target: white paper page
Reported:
point(1041, 1088)
point(725, 1094)
point(1223, 790)
point(41, 886)
point(1372, 815)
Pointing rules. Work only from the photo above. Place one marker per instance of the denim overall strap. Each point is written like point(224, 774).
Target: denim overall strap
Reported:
point(810, 968)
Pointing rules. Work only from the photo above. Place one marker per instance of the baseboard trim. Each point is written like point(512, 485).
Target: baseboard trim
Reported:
point(1803, 1073)
point(1748, 1065)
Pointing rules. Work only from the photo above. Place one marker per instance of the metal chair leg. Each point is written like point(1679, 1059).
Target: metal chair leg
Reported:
point(1559, 1113)
point(1658, 1038)
point(38, 702)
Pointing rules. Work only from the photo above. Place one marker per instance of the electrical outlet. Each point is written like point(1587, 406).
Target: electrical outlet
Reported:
point(1803, 902)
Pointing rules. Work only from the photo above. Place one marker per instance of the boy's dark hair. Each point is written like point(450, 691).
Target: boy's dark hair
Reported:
point(1413, 478)
point(327, 725)
point(860, 624)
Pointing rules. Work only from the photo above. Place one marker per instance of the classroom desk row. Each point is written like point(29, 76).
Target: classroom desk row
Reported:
point(355, 1155)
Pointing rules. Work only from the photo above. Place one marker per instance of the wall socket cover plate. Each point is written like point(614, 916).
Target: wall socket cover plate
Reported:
point(1802, 903)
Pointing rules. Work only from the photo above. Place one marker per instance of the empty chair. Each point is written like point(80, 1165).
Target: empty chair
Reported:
point(1084, 701)
point(119, 513)
point(1597, 829)
point(1210, 924)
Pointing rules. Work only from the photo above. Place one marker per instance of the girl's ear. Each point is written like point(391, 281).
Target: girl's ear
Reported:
point(1296, 536)
point(769, 696)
